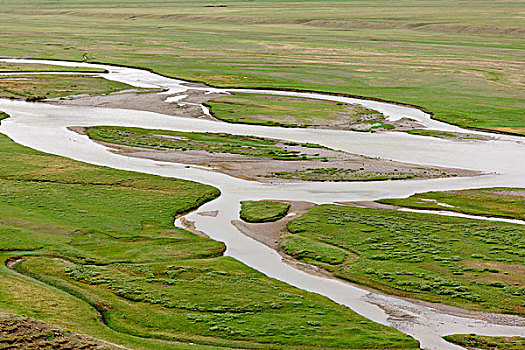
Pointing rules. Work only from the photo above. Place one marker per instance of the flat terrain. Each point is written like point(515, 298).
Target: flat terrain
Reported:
point(256, 158)
point(6, 67)
point(462, 61)
point(43, 86)
point(478, 342)
point(498, 202)
point(263, 211)
point(286, 111)
point(103, 246)
point(472, 264)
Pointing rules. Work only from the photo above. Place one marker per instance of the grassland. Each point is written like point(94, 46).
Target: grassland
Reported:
point(283, 111)
point(263, 211)
point(460, 60)
point(467, 263)
point(35, 67)
point(498, 202)
point(33, 88)
point(86, 239)
point(478, 342)
point(249, 146)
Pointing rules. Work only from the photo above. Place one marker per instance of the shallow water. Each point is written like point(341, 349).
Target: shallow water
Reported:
point(44, 127)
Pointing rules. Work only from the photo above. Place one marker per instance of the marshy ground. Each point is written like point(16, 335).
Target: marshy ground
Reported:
point(474, 264)
point(260, 159)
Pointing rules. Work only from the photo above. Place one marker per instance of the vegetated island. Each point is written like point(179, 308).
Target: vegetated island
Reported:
point(257, 158)
point(263, 211)
point(480, 342)
point(501, 202)
point(259, 109)
point(473, 264)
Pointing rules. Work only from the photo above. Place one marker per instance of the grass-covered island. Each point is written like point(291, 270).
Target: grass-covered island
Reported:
point(259, 158)
point(473, 264)
point(498, 202)
point(479, 342)
point(263, 211)
point(286, 111)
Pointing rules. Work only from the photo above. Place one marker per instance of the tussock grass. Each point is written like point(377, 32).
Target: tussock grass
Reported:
point(467, 263)
point(499, 202)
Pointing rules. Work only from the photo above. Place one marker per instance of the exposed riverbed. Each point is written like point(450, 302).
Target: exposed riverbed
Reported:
point(45, 127)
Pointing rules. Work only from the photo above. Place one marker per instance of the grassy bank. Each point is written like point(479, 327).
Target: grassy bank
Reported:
point(467, 263)
point(35, 67)
point(478, 342)
point(460, 60)
point(295, 112)
point(498, 202)
point(263, 211)
point(93, 238)
point(33, 88)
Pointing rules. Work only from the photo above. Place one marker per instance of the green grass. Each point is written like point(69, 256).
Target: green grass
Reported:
point(258, 147)
point(499, 202)
point(283, 111)
point(263, 211)
point(342, 174)
point(34, 67)
point(3, 115)
point(479, 342)
point(467, 263)
point(424, 132)
point(248, 146)
point(446, 135)
point(95, 238)
point(34, 88)
point(460, 60)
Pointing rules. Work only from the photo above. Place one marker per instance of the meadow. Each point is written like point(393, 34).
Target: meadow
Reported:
point(94, 250)
point(467, 263)
point(33, 87)
point(263, 211)
point(478, 342)
point(248, 146)
point(461, 61)
point(498, 202)
point(289, 112)
point(9, 67)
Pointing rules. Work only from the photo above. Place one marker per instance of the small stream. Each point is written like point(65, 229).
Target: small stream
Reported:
point(44, 127)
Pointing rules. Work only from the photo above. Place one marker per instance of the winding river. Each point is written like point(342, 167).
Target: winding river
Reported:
point(44, 127)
